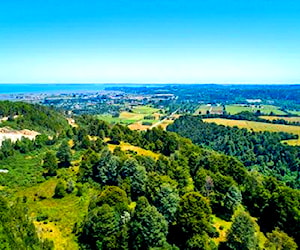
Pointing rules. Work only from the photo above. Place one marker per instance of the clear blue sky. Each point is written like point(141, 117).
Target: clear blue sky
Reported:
point(183, 41)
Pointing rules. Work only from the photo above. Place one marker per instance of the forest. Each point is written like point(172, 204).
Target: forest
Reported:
point(262, 151)
point(186, 194)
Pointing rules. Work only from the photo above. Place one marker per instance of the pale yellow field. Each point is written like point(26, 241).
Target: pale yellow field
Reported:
point(289, 119)
point(138, 126)
point(131, 116)
point(126, 146)
point(260, 126)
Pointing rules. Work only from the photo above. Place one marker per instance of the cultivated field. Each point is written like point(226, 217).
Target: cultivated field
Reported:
point(260, 126)
point(265, 109)
point(135, 118)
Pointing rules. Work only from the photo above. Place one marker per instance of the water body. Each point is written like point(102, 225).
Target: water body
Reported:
point(56, 88)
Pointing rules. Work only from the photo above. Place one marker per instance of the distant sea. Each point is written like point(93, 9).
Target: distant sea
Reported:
point(56, 88)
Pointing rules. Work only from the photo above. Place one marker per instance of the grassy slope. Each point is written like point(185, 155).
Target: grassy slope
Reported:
point(294, 112)
point(140, 151)
point(259, 126)
point(61, 214)
point(25, 180)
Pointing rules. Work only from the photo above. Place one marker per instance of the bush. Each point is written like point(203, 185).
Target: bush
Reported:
point(60, 190)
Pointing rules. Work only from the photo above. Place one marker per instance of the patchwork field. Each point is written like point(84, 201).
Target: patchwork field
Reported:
point(135, 118)
point(265, 109)
point(288, 119)
point(260, 126)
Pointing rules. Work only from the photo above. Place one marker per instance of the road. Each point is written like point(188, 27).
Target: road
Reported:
point(166, 118)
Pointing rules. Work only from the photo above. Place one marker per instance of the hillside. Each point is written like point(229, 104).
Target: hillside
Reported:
point(102, 186)
point(20, 115)
point(260, 127)
point(262, 151)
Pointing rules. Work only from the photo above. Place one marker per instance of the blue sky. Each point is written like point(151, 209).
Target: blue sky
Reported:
point(151, 41)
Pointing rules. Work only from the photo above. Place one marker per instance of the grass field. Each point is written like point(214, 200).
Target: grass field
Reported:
point(294, 112)
point(260, 126)
point(144, 110)
point(134, 118)
point(265, 109)
point(288, 119)
point(60, 215)
point(128, 147)
point(222, 227)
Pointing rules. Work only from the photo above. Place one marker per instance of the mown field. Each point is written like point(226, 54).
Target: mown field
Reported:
point(265, 109)
point(260, 126)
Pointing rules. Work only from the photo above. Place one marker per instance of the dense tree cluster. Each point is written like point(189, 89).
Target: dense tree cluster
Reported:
point(167, 202)
point(25, 145)
point(257, 150)
point(250, 116)
point(156, 139)
point(32, 116)
point(182, 189)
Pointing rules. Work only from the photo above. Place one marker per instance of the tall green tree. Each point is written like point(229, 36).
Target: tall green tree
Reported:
point(50, 163)
point(148, 227)
point(241, 234)
point(64, 155)
point(106, 170)
point(194, 213)
point(104, 229)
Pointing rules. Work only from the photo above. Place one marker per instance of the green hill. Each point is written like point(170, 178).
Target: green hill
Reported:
point(101, 186)
point(22, 115)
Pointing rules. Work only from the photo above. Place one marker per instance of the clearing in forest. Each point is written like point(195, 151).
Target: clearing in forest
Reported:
point(128, 147)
